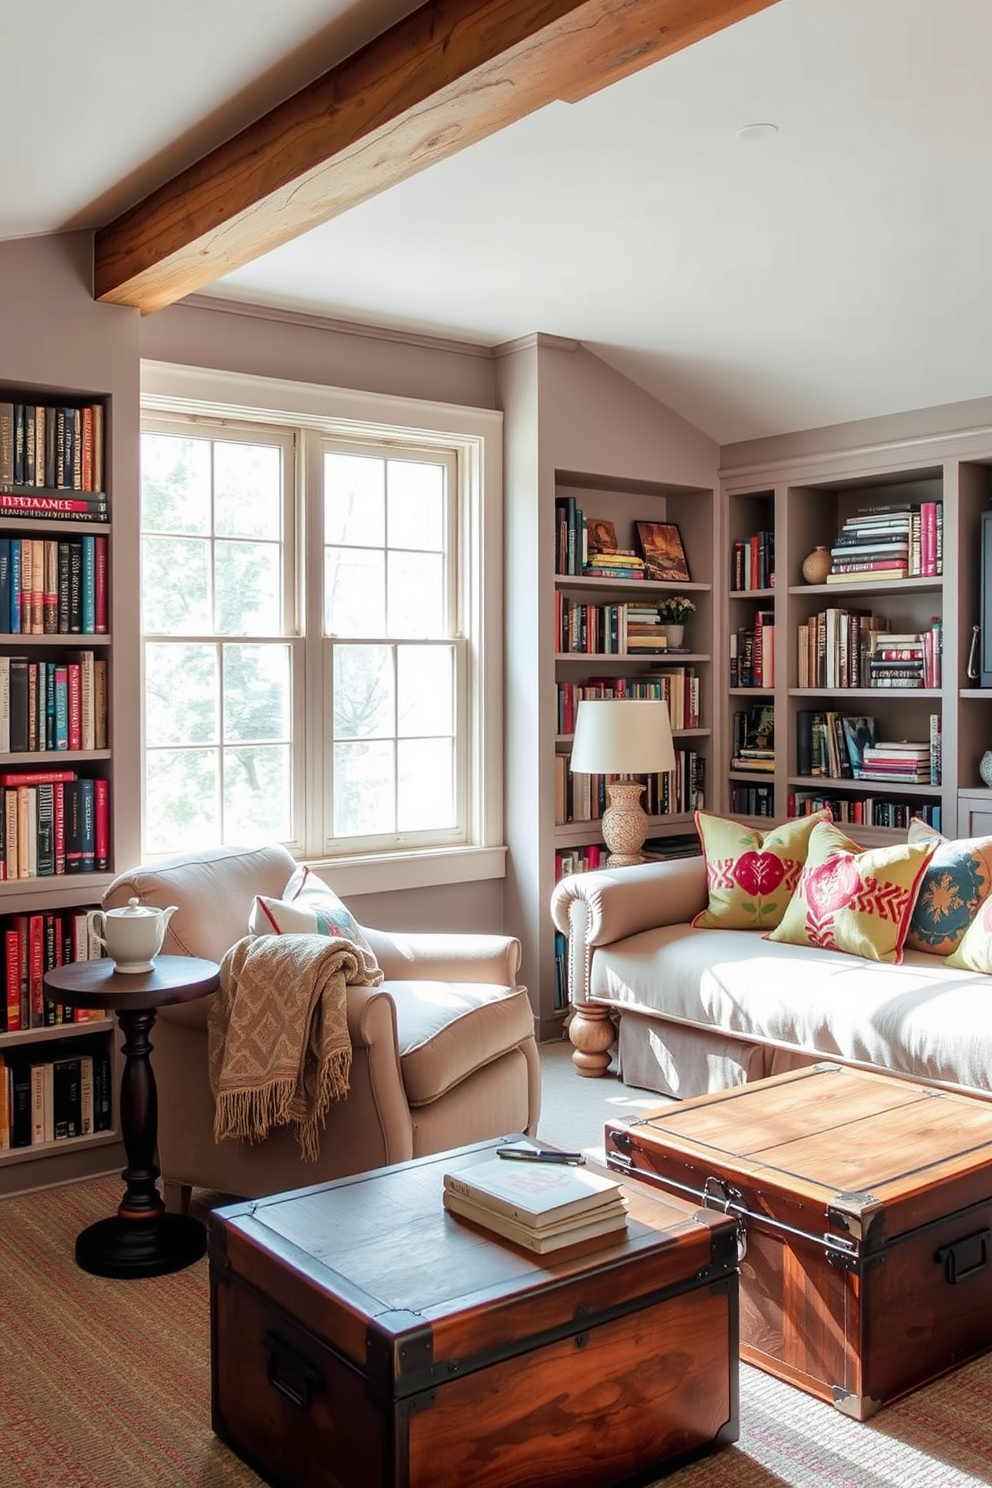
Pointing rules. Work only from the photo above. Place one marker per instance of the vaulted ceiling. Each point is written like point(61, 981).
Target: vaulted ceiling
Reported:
point(570, 166)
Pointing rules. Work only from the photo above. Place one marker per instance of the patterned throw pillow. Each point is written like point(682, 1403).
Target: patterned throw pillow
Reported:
point(975, 951)
point(751, 875)
point(957, 881)
point(308, 907)
point(855, 899)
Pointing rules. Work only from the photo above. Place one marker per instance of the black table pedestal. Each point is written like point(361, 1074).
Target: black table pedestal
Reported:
point(141, 1239)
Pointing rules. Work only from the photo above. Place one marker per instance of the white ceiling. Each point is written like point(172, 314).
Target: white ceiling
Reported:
point(835, 270)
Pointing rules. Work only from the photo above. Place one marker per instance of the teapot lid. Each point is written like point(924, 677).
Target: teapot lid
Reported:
point(135, 910)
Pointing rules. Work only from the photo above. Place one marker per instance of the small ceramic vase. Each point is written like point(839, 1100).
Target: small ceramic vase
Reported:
point(985, 768)
point(816, 566)
point(673, 636)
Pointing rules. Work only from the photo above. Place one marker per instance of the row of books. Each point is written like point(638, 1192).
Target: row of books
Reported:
point(752, 800)
point(679, 687)
point(626, 629)
point(865, 811)
point(53, 587)
point(52, 447)
point(64, 1096)
point(585, 859)
point(752, 652)
point(52, 823)
point(752, 562)
point(571, 536)
point(842, 746)
point(905, 540)
point(53, 705)
point(33, 943)
point(582, 797)
point(840, 648)
point(540, 1206)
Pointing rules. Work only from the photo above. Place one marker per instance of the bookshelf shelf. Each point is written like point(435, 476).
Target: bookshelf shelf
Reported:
point(56, 593)
point(809, 501)
point(630, 586)
point(753, 593)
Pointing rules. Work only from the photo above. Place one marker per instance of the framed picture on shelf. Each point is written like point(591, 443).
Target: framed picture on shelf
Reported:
point(601, 536)
point(664, 555)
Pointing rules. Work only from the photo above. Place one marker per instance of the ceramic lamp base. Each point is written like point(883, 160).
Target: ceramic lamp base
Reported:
point(624, 824)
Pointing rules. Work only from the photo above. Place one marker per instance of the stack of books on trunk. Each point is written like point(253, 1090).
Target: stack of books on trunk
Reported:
point(541, 1206)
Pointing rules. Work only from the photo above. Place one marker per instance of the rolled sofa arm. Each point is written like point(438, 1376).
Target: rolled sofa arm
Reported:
point(420, 956)
point(594, 909)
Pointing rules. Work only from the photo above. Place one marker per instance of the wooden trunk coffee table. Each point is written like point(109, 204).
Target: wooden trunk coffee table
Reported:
point(866, 1205)
point(362, 1336)
point(141, 1239)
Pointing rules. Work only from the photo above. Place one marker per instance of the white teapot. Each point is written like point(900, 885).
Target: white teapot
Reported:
point(132, 936)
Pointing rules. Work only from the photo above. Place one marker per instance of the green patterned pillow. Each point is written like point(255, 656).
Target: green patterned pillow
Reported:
point(955, 884)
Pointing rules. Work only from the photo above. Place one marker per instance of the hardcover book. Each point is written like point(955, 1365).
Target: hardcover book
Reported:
point(536, 1194)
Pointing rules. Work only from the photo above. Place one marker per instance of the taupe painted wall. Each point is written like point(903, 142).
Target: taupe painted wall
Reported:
point(54, 337)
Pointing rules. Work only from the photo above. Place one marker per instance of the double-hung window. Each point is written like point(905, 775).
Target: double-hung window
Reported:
point(321, 660)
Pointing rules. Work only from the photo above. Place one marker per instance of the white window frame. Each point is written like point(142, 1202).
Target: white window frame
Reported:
point(475, 435)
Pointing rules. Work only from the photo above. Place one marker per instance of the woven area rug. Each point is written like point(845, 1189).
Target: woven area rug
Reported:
point(106, 1384)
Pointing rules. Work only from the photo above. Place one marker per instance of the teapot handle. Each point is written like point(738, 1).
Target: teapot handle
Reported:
point(96, 927)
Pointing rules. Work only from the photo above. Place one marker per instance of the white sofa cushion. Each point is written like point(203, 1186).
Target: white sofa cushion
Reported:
point(922, 1018)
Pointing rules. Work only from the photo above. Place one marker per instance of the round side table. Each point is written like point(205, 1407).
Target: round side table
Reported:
point(141, 1239)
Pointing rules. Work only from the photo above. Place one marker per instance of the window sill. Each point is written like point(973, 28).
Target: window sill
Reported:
point(388, 872)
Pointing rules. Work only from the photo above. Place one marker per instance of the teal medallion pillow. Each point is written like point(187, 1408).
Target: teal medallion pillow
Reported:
point(957, 880)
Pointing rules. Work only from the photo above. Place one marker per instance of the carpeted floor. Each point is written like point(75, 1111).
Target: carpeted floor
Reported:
point(105, 1384)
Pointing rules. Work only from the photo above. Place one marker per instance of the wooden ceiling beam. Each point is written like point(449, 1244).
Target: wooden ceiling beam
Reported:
point(449, 74)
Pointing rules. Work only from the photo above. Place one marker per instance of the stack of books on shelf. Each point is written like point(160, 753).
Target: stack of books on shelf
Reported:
point(752, 562)
point(623, 564)
point(50, 448)
point(65, 1095)
point(752, 652)
point(906, 658)
point(754, 740)
point(905, 761)
point(540, 1206)
point(901, 541)
point(646, 635)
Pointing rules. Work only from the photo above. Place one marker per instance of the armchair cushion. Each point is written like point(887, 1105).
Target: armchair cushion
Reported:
point(448, 1030)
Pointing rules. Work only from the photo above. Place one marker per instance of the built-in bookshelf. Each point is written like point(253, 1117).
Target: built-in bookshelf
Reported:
point(57, 1065)
point(613, 642)
point(879, 639)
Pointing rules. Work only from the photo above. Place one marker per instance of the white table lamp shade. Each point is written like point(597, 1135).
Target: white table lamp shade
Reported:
point(622, 736)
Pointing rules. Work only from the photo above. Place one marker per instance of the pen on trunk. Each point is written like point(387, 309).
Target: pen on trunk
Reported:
point(537, 1154)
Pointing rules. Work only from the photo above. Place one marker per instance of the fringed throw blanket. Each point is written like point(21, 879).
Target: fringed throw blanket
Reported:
point(279, 1049)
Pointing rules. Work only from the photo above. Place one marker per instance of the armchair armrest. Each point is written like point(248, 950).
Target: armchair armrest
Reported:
point(423, 956)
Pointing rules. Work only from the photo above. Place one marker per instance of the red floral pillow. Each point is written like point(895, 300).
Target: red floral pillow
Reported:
point(855, 900)
point(750, 875)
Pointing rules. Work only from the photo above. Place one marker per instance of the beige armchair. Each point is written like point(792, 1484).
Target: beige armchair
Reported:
point(444, 1050)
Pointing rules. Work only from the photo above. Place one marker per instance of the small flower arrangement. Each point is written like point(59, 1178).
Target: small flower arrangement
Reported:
point(676, 609)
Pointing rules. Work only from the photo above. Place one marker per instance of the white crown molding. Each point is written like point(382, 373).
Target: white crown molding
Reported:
point(328, 323)
point(533, 339)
